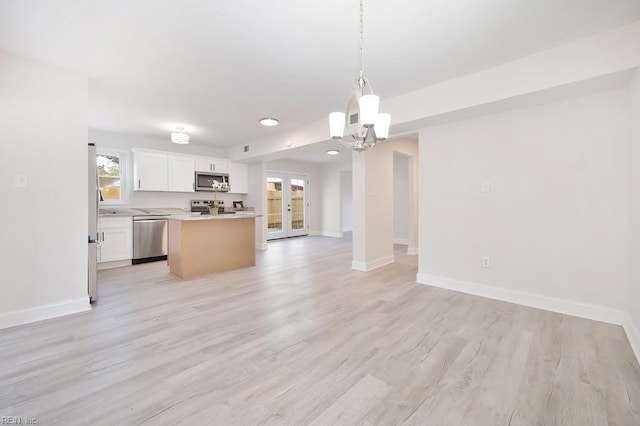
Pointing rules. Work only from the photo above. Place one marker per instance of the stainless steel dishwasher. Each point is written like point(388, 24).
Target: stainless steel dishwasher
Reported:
point(149, 238)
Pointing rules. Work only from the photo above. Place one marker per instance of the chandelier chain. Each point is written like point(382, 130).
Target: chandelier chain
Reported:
point(361, 40)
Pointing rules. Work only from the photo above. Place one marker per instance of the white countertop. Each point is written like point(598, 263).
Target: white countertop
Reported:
point(197, 216)
point(127, 211)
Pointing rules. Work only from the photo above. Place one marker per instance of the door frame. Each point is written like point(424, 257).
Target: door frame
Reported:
point(287, 230)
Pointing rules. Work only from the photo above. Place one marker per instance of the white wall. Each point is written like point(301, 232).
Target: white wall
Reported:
point(373, 212)
point(633, 294)
point(257, 198)
point(401, 200)
point(407, 147)
point(372, 215)
point(346, 199)
point(555, 221)
point(311, 169)
point(124, 142)
point(43, 250)
point(331, 192)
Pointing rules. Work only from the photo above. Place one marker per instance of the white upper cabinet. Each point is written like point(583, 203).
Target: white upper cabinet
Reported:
point(173, 172)
point(150, 171)
point(181, 174)
point(219, 165)
point(238, 178)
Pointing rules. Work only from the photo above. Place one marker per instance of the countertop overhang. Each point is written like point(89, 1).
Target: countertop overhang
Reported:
point(172, 213)
point(237, 215)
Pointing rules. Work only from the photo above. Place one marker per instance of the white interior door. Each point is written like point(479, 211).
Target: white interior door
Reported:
point(287, 205)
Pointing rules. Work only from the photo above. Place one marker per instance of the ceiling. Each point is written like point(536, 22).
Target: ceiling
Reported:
point(217, 66)
point(313, 153)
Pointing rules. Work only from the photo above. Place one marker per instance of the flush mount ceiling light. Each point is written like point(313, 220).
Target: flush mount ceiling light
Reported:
point(365, 125)
point(180, 137)
point(333, 152)
point(268, 121)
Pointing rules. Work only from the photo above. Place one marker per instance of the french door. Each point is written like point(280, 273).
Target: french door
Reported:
point(287, 205)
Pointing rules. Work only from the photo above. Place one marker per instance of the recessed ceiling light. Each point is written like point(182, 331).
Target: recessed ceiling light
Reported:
point(333, 152)
point(268, 121)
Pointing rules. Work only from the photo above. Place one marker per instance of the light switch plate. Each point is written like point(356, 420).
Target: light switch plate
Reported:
point(486, 187)
point(21, 181)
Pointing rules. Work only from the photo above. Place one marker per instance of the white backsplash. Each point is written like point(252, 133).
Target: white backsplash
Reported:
point(144, 199)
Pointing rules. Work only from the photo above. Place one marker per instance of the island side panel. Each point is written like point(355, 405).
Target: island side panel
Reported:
point(174, 248)
point(216, 245)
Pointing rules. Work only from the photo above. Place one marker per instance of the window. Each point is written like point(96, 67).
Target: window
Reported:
point(111, 176)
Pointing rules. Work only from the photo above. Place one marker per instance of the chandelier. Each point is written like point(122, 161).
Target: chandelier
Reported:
point(365, 125)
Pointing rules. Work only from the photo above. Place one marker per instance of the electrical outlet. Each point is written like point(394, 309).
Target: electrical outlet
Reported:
point(486, 262)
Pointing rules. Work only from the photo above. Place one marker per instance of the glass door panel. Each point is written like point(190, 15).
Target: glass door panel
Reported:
point(297, 206)
point(275, 207)
point(287, 207)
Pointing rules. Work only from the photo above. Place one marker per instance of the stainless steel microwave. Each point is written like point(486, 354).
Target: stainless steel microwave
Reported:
point(204, 181)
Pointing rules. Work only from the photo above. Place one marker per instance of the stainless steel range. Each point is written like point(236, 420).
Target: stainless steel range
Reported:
point(202, 207)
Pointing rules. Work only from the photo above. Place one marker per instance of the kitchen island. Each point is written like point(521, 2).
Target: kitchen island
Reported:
point(202, 244)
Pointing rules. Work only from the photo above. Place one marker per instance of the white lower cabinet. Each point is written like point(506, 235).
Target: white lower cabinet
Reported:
point(116, 239)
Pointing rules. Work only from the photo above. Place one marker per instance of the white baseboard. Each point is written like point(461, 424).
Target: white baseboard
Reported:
point(261, 245)
point(326, 234)
point(359, 266)
point(114, 264)
point(374, 264)
point(40, 313)
point(412, 250)
point(562, 306)
point(401, 241)
point(332, 234)
point(633, 334)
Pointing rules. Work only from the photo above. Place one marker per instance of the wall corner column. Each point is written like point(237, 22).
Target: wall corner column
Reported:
point(372, 208)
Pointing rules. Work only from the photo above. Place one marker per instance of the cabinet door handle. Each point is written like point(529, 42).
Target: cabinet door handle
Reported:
point(210, 167)
point(138, 183)
point(214, 166)
point(103, 236)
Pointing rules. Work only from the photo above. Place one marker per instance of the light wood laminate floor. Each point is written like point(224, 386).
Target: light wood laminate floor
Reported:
point(303, 339)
